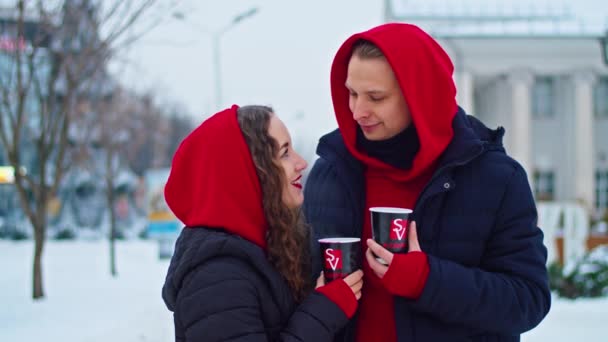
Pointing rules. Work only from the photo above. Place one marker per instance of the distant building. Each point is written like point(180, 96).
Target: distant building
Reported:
point(539, 73)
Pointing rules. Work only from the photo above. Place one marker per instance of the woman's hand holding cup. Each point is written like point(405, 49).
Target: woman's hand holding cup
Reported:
point(353, 280)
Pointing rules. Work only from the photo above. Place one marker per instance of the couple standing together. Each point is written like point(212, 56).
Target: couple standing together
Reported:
point(245, 265)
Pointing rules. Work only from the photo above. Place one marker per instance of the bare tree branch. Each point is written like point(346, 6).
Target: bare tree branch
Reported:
point(63, 137)
point(125, 19)
point(68, 48)
point(7, 112)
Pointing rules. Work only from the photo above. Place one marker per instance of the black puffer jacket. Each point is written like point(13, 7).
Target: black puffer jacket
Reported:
point(222, 288)
point(476, 220)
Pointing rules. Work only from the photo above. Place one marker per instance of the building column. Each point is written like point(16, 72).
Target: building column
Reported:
point(465, 95)
point(581, 126)
point(521, 82)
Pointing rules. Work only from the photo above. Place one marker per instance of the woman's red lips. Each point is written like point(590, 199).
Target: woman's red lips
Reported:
point(297, 183)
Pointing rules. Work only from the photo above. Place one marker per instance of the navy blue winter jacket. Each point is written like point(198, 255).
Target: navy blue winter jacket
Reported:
point(477, 222)
point(221, 287)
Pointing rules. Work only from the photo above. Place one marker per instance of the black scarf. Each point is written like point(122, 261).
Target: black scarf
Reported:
point(398, 151)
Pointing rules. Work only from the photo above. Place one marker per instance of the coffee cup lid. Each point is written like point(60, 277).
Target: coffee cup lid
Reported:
point(392, 210)
point(339, 240)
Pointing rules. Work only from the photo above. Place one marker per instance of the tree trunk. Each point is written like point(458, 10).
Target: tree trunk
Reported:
point(113, 271)
point(110, 174)
point(38, 288)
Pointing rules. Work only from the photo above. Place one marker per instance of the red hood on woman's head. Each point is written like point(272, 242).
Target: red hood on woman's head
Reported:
point(424, 72)
point(213, 182)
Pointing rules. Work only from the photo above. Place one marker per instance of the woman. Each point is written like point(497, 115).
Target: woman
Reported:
point(240, 267)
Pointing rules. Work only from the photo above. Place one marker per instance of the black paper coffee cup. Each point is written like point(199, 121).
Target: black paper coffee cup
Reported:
point(390, 227)
point(341, 257)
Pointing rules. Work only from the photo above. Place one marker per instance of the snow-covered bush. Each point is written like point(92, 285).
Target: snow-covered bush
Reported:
point(587, 277)
point(65, 234)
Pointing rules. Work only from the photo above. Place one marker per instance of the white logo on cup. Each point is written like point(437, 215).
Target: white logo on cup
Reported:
point(398, 228)
point(332, 259)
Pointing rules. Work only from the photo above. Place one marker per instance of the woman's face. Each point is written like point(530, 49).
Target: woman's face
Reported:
point(292, 163)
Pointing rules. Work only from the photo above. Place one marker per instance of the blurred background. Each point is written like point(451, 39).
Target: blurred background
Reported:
point(96, 95)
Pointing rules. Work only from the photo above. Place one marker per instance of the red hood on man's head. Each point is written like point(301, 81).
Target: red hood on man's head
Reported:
point(213, 181)
point(424, 72)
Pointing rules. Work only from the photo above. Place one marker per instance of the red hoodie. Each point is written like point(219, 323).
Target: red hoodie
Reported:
point(424, 72)
point(213, 183)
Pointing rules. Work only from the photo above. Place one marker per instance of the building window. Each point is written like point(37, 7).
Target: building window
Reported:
point(544, 185)
point(601, 190)
point(543, 97)
point(600, 98)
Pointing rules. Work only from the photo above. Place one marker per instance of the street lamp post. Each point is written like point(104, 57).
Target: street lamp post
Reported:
point(216, 37)
point(604, 45)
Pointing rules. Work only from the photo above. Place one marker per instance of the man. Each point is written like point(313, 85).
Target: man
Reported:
point(476, 266)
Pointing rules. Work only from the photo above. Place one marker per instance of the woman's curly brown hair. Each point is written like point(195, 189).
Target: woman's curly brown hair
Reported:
point(287, 234)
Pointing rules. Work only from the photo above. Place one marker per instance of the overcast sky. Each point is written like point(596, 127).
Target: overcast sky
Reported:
point(281, 56)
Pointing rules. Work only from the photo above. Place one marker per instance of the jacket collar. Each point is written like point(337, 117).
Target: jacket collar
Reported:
point(471, 138)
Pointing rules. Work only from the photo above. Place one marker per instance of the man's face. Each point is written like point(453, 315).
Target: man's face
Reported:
point(376, 100)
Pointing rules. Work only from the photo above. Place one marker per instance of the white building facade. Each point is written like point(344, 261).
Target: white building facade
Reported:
point(541, 75)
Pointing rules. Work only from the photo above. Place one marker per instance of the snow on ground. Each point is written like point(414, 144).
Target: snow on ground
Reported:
point(572, 320)
point(85, 304)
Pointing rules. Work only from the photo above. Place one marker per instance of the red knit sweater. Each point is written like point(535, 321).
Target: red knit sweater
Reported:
point(407, 273)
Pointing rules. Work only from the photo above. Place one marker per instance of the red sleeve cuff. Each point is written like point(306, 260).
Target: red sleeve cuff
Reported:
point(338, 292)
point(407, 274)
